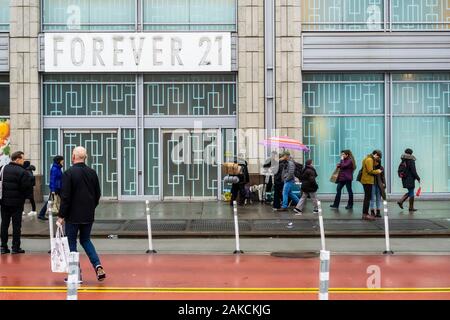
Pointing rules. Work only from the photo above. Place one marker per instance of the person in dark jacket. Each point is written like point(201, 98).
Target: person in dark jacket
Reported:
point(346, 168)
point(16, 184)
point(378, 190)
point(278, 183)
point(30, 168)
point(288, 176)
point(309, 188)
point(80, 195)
point(55, 183)
point(238, 191)
point(409, 179)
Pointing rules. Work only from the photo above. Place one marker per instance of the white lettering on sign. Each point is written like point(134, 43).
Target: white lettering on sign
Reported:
point(138, 52)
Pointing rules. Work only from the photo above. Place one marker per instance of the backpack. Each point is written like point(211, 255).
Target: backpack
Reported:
point(298, 170)
point(402, 169)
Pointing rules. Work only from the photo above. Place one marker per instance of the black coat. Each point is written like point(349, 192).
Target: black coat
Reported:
point(80, 194)
point(278, 176)
point(308, 179)
point(17, 185)
point(411, 174)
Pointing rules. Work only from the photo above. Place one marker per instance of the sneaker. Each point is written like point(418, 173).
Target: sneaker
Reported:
point(32, 213)
point(316, 210)
point(298, 212)
point(333, 206)
point(17, 251)
point(24, 213)
point(101, 275)
point(5, 250)
point(349, 207)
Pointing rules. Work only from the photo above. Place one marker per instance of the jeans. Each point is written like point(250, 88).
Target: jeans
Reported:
point(411, 193)
point(8, 214)
point(85, 240)
point(367, 196)
point(340, 186)
point(43, 210)
point(375, 200)
point(287, 193)
point(305, 195)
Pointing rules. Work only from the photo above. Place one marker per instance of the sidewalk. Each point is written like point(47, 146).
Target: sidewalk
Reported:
point(214, 218)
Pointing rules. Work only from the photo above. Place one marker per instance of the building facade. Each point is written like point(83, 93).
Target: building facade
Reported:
point(161, 92)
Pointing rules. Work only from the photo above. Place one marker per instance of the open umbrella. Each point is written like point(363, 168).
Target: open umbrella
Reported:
point(286, 143)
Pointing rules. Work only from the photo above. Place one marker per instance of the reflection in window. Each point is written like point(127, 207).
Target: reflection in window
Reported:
point(217, 15)
point(420, 14)
point(4, 15)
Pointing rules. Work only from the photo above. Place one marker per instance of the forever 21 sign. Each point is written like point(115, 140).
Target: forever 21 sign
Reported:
point(137, 52)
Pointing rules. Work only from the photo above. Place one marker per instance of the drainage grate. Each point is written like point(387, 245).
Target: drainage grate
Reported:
point(418, 225)
point(157, 225)
point(284, 225)
point(341, 225)
point(108, 225)
point(218, 225)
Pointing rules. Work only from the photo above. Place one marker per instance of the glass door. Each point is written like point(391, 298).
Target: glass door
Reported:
point(101, 148)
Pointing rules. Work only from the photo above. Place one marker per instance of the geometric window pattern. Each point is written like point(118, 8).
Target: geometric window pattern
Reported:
point(4, 15)
point(128, 174)
point(229, 147)
point(102, 156)
point(340, 97)
point(190, 98)
point(190, 163)
point(420, 14)
point(151, 161)
point(327, 136)
point(207, 15)
point(320, 15)
point(89, 15)
point(51, 142)
point(89, 98)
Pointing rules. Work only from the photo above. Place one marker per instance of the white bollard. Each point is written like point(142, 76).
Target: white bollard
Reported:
point(386, 229)
point(324, 276)
point(149, 228)
point(322, 232)
point(73, 276)
point(236, 229)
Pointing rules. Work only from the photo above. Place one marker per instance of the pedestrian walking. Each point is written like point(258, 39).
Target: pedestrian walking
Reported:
point(368, 173)
point(346, 167)
point(55, 186)
point(378, 191)
point(238, 191)
point(408, 173)
point(278, 183)
point(15, 185)
point(30, 168)
point(80, 195)
point(309, 188)
point(288, 175)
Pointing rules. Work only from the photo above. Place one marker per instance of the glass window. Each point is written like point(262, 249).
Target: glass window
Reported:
point(128, 146)
point(151, 160)
point(421, 121)
point(84, 95)
point(217, 15)
point(420, 14)
point(4, 15)
point(4, 100)
point(197, 95)
point(89, 15)
point(341, 111)
point(322, 15)
point(51, 142)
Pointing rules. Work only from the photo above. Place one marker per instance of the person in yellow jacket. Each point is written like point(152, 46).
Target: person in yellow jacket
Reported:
point(368, 180)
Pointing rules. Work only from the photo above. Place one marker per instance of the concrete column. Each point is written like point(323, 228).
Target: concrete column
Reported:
point(24, 79)
point(251, 80)
point(288, 70)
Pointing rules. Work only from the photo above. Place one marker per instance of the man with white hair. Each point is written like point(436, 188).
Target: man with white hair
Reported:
point(80, 195)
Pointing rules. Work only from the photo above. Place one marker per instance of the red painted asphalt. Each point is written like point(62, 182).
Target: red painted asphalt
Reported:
point(213, 276)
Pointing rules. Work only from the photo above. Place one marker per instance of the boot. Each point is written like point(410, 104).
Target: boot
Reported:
point(372, 212)
point(411, 205)
point(378, 215)
point(403, 199)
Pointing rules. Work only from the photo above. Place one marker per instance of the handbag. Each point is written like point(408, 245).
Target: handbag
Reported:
point(335, 175)
point(419, 191)
point(60, 251)
point(359, 176)
point(56, 201)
